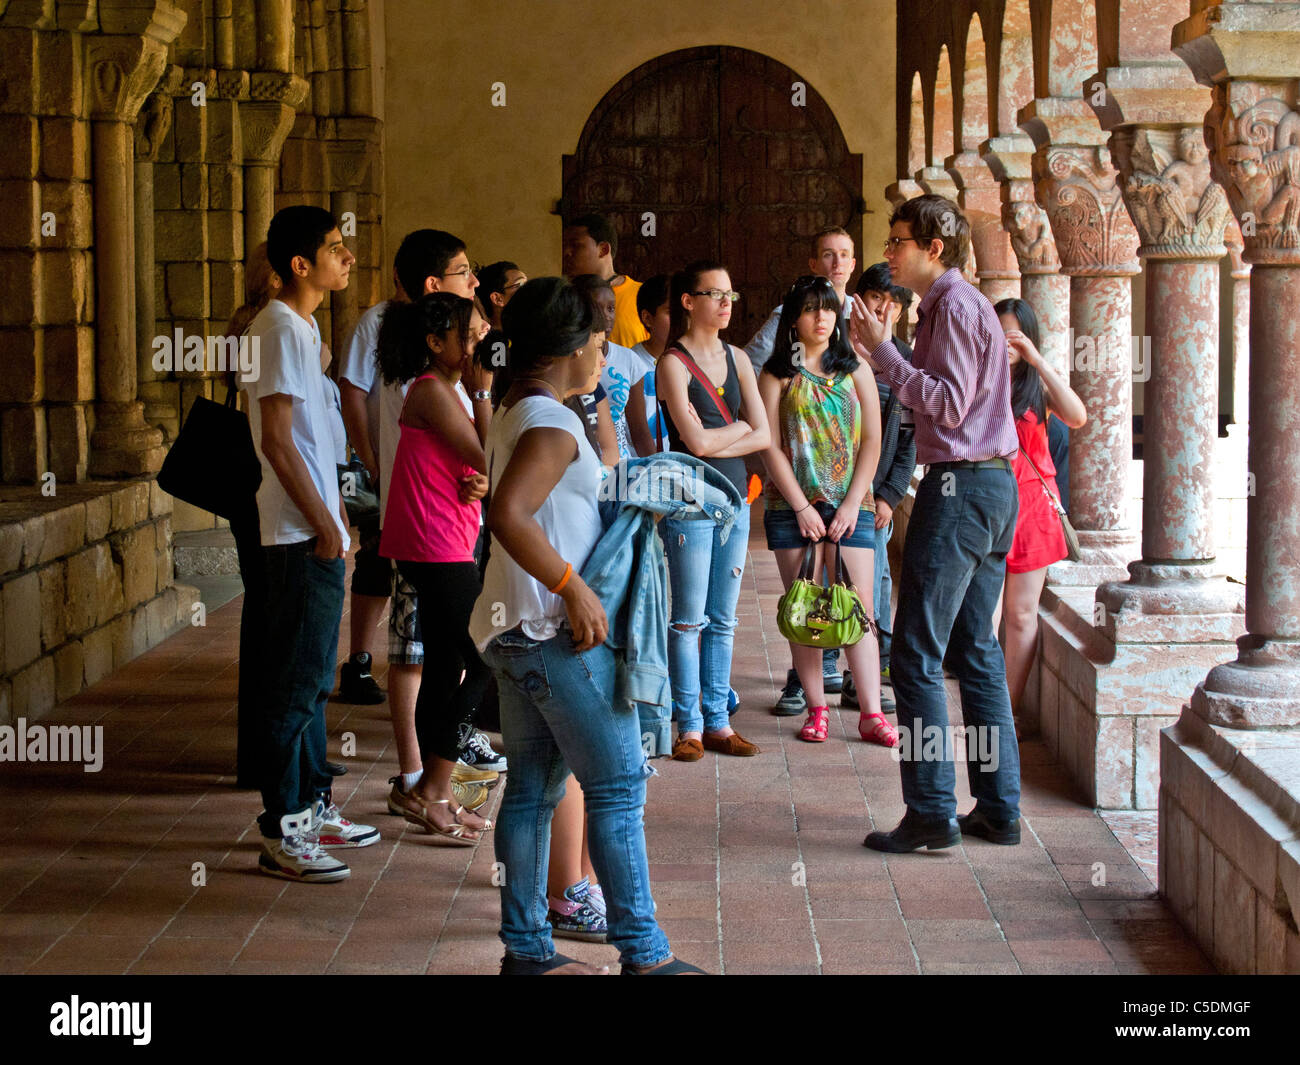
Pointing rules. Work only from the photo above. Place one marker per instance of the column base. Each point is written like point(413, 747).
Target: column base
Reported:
point(122, 445)
point(1260, 690)
point(1172, 604)
point(1105, 556)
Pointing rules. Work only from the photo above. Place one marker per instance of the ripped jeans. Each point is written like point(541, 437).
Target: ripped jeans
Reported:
point(705, 577)
point(557, 713)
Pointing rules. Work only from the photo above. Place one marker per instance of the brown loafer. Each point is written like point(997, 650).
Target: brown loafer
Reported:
point(687, 751)
point(734, 744)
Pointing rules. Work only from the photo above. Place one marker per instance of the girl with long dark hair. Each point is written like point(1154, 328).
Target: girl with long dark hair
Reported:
point(431, 523)
point(1037, 391)
point(824, 407)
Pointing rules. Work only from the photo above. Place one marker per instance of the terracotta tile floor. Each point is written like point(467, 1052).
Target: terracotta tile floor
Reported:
point(757, 863)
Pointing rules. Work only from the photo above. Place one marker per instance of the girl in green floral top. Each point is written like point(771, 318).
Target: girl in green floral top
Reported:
point(825, 411)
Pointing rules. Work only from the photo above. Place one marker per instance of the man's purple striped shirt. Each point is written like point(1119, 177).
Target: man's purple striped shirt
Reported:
point(958, 384)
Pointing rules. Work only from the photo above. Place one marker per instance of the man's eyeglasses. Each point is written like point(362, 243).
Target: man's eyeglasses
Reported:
point(472, 268)
point(718, 295)
point(892, 243)
point(513, 285)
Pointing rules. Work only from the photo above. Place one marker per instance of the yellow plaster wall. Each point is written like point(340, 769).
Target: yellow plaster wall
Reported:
point(492, 175)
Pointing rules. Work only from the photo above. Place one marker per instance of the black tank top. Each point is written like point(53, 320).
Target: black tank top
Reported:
point(710, 417)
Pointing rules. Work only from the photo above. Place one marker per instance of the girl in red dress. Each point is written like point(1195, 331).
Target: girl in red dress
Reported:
point(1037, 392)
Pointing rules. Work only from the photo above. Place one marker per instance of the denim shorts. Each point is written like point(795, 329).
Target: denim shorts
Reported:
point(782, 528)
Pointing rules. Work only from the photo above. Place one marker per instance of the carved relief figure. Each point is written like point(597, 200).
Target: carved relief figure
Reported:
point(1176, 200)
point(1031, 236)
point(1260, 152)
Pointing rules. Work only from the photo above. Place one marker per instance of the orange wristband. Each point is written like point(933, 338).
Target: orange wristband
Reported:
point(568, 572)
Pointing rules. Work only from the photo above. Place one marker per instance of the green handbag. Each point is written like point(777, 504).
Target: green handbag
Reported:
point(818, 615)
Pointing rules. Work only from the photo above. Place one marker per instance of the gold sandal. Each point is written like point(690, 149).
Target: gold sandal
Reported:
point(454, 836)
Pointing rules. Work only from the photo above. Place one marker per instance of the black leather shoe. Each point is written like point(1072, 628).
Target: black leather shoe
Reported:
point(913, 833)
point(336, 769)
point(1005, 833)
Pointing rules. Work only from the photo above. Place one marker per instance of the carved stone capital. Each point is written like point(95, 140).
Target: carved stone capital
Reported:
point(287, 89)
point(1031, 236)
point(901, 191)
point(1254, 140)
point(264, 125)
point(1180, 211)
point(1079, 189)
point(122, 66)
point(151, 127)
point(348, 163)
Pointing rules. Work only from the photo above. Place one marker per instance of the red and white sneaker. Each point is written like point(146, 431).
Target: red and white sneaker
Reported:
point(335, 830)
point(298, 855)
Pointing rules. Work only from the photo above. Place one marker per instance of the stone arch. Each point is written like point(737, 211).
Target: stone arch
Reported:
point(974, 121)
point(1071, 40)
point(916, 128)
point(1013, 73)
point(941, 111)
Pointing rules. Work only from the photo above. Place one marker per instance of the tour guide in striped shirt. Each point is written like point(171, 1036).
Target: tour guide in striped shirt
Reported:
point(959, 390)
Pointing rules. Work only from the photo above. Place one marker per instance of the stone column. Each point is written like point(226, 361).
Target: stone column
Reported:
point(265, 121)
point(150, 129)
point(1240, 301)
point(347, 150)
point(120, 71)
point(1042, 285)
point(980, 198)
point(1173, 593)
point(1097, 244)
point(1253, 133)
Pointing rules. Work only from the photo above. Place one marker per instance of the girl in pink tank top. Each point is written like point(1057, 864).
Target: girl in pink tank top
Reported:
point(431, 523)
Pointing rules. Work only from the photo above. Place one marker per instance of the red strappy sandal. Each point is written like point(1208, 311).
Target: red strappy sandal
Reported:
point(875, 729)
point(814, 729)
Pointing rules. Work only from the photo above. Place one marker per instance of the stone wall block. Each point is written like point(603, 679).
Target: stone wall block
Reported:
point(225, 144)
point(70, 203)
point(1049, 708)
point(68, 453)
point(97, 654)
point(1114, 762)
point(160, 503)
point(20, 281)
point(18, 87)
point(194, 186)
point(6, 703)
point(134, 552)
point(65, 148)
point(11, 548)
point(189, 131)
point(67, 284)
point(187, 290)
point(33, 540)
point(65, 532)
point(1270, 939)
point(166, 187)
point(139, 631)
point(1178, 861)
point(99, 517)
point(1234, 920)
point(23, 379)
point(69, 363)
point(226, 288)
point(58, 58)
point(163, 557)
point(119, 631)
point(131, 504)
point(21, 137)
point(94, 586)
point(69, 670)
point(21, 597)
point(226, 236)
point(23, 458)
point(226, 187)
point(33, 688)
point(20, 223)
point(1238, 820)
point(53, 593)
point(180, 236)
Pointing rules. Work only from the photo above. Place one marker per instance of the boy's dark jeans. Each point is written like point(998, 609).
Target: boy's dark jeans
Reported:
point(954, 563)
point(304, 601)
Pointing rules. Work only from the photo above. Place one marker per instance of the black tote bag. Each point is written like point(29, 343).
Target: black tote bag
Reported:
point(212, 464)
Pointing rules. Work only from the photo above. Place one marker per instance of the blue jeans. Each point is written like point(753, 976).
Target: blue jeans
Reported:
point(884, 593)
point(704, 575)
point(557, 713)
point(954, 563)
point(304, 601)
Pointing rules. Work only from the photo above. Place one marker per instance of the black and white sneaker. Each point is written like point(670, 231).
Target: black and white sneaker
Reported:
point(356, 685)
point(478, 753)
point(792, 702)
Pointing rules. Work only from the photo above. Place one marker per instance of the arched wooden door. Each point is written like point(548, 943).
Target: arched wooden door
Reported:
point(733, 161)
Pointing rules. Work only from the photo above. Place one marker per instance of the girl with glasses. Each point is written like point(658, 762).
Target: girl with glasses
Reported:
point(824, 407)
point(713, 411)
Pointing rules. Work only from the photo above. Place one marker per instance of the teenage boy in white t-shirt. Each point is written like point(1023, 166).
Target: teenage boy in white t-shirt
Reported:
point(305, 539)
